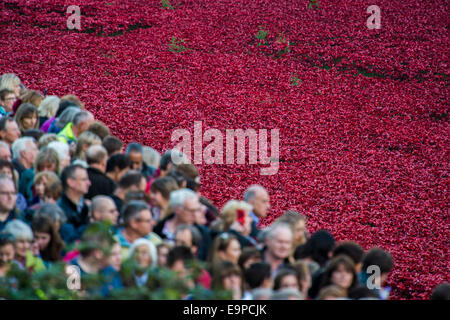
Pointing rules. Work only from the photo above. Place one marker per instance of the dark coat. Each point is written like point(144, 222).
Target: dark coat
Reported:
point(100, 184)
point(76, 219)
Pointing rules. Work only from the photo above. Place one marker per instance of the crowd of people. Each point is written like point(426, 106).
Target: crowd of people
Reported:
point(63, 176)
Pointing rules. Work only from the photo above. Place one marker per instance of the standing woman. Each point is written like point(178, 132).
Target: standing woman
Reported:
point(27, 117)
point(47, 236)
point(47, 109)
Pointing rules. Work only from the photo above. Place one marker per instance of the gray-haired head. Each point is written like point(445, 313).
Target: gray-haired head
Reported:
point(81, 117)
point(67, 116)
point(19, 230)
point(52, 212)
point(252, 191)
point(179, 197)
point(20, 145)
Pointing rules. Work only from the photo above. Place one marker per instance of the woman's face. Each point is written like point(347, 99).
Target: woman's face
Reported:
point(300, 229)
point(115, 258)
point(289, 281)
point(233, 251)
point(232, 282)
point(7, 172)
point(157, 199)
point(142, 256)
point(43, 239)
point(22, 246)
point(48, 166)
point(342, 277)
point(39, 187)
point(17, 90)
point(163, 252)
point(29, 121)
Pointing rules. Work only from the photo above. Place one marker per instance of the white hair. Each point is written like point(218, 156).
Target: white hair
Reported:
point(4, 145)
point(8, 81)
point(272, 230)
point(19, 230)
point(49, 106)
point(251, 191)
point(61, 148)
point(150, 156)
point(21, 145)
point(179, 197)
point(151, 250)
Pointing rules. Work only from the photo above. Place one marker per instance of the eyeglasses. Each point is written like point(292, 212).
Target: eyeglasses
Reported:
point(5, 193)
point(144, 220)
point(193, 210)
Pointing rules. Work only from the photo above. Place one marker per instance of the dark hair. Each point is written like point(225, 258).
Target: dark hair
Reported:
point(53, 251)
point(165, 185)
point(353, 250)
point(6, 163)
point(283, 273)
point(96, 236)
point(131, 178)
point(6, 238)
point(165, 160)
point(334, 265)
point(24, 110)
point(99, 129)
point(35, 133)
point(120, 161)
point(178, 177)
point(248, 253)
point(190, 173)
point(255, 275)
point(179, 253)
point(195, 234)
point(69, 172)
point(380, 258)
point(361, 291)
point(132, 210)
point(4, 92)
point(3, 122)
point(63, 105)
point(112, 144)
point(224, 269)
point(134, 147)
point(441, 292)
point(317, 247)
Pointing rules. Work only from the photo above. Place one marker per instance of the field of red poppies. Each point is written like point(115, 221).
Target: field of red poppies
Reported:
point(362, 114)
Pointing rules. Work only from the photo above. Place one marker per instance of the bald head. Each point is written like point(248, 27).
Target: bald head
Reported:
point(103, 208)
point(258, 197)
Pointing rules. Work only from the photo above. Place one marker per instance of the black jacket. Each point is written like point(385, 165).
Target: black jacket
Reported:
point(100, 184)
point(76, 218)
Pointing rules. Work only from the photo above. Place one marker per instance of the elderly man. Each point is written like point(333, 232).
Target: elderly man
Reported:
point(9, 130)
point(5, 151)
point(258, 197)
point(103, 208)
point(96, 158)
point(185, 204)
point(24, 152)
point(278, 241)
point(8, 197)
point(81, 122)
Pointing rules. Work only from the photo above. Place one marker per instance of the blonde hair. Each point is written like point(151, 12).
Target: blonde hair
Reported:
point(48, 106)
point(33, 97)
point(49, 175)
point(73, 98)
point(9, 81)
point(86, 139)
point(46, 139)
point(229, 215)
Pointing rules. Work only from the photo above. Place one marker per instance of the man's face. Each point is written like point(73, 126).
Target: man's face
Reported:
point(5, 154)
point(8, 195)
point(11, 132)
point(279, 245)
point(7, 253)
point(187, 213)
point(83, 126)
point(80, 183)
point(30, 153)
point(107, 212)
point(157, 199)
point(8, 103)
point(143, 224)
point(183, 238)
point(136, 160)
point(260, 203)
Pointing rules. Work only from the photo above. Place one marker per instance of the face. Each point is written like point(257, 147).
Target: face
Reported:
point(187, 214)
point(48, 166)
point(142, 256)
point(11, 133)
point(5, 154)
point(300, 229)
point(30, 153)
point(8, 103)
point(136, 160)
point(7, 172)
point(43, 239)
point(342, 277)
point(22, 246)
point(289, 281)
point(233, 251)
point(115, 259)
point(157, 199)
point(39, 187)
point(232, 282)
point(250, 261)
point(35, 247)
point(29, 122)
point(80, 182)
point(108, 212)
point(280, 244)
point(83, 126)
point(261, 203)
point(7, 253)
point(8, 195)
point(184, 238)
point(163, 252)
point(200, 216)
point(143, 224)
point(17, 90)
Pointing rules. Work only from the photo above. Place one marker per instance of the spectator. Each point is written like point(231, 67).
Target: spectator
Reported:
point(113, 145)
point(262, 294)
point(32, 97)
point(75, 183)
point(7, 253)
point(85, 141)
point(9, 130)
point(159, 196)
point(103, 208)
point(225, 247)
point(179, 260)
point(61, 119)
point(228, 276)
point(116, 166)
point(80, 123)
point(27, 117)
point(362, 292)
point(24, 152)
point(134, 152)
point(318, 248)
point(143, 258)
point(8, 196)
point(46, 139)
point(47, 109)
point(298, 224)
point(52, 192)
point(101, 184)
point(249, 256)
point(331, 292)
point(41, 180)
point(52, 212)
point(341, 272)
point(151, 157)
point(258, 197)
point(5, 151)
point(377, 257)
point(287, 294)
point(137, 223)
point(257, 276)
point(166, 163)
point(12, 82)
point(286, 278)
point(304, 276)
point(73, 99)
point(163, 252)
point(47, 236)
point(278, 243)
point(115, 258)
point(441, 292)
point(189, 236)
point(7, 99)
point(34, 133)
point(62, 149)
point(132, 181)
point(99, 129)
point(352, 250)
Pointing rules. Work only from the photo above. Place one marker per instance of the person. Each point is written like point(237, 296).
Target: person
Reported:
point(46, 139)
point(440, 292)
point(75, 183)
point(80, 123)
point(27, 117)
point(131, 181)
point(257, 276)
point(101, 184)
point(103, 208)
point(8, 196)
point(258, 197)
point(41, 180)
point(12, 82)
point(24, 152)
point(62, 149)
point(23, 236)
point(5, 151)
point(86, 140)
point(61, 120)
point(7, 99)
point(134, 153)
point(235, 219)
point(286, 278)
point(228, 276)
point(303, 275)
point(353, 250)
point(377, 257)
point(286, 294)
point(32, 97)
point(47, 236)
point(179, 260)
point(225, 247)
point(185, 204)
point(47, 109)
point(137, 223)
point(189, 236)
point(298, 223)
point(318, 248)
point(278, 243)
point(9, 130)
point(331, 292)
point(150, 156)
point(99, 129)
point(7, 253)
point(116, 166)
point(163, 252)
point(160, 191)
point(249, 256)
point(341, 272)
point(115, 259)
point(142, 258)
point(113, 145)
point(361, 292)
point(53, 213)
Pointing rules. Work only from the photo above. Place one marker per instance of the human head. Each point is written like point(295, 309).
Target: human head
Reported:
point(382, 259)
point(81, 122)
point(115, 259)
point(163, 252)
point(41, 180)
point(319, 247)
point(27, 117)
point(7, 169)
point(179, 260)
point(225, 247)
point(331, 292)
point(84, 142)
point(25, 150)
point(96, 243)
point(9, 130)
point(62, 149)
point(134, 153)
point(341, 272)
point(7, 99)
point(185, 203)
point(46, 234)
point(96, 156)
point(258, 275)
point(73, 99)
point(47, 159)
point(279, 240)
point(103, 208)
point(5, 151)
point(258, 197)
point(189, 236)
point(228, 276)
point(32, 97)
point(362, 292)
point(191, 174)
point(99, 129)
point(144, 252)
point(297, 223)
point(286, 278)
point(133, 181)
point(34, 133)
point(441, 292)
point(113, 145)
point(287, 294)
point(138, 218)
point(52, 212)
point(117, 165)
point(48, 107)
point(150, 156)
point(75, 179)
point(10, 81)
point(45, 139)
point(66, 116)
point(351, 249)
point(52, 192)
point(249, 256)
point(7, 249)
point(8, 194)
point(169, 159)
point(303, 275)
point(23, 236)
point(160, 191)
point(236, 215)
